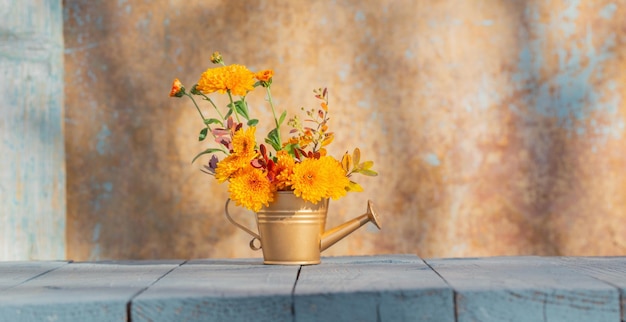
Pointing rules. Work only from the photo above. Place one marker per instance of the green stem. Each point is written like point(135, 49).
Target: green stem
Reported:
point(197, 108)
point(232, 105)
point(214, 106)
point(269, 99)
point(201, 115)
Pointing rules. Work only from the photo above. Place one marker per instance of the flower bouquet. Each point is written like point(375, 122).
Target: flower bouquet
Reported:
point(263, 176)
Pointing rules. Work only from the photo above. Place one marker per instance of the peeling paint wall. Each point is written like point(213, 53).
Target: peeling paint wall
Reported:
point(497, 127)
point(32, 157)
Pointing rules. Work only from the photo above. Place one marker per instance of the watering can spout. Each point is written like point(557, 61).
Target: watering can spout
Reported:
point(330, 237)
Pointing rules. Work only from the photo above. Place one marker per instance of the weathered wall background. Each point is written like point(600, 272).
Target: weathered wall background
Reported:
point(32, 157)
point(497, 126)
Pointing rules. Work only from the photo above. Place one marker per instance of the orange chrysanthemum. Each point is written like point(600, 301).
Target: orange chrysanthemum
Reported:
point(244, 142)
point(251, 188)
point(284, 169)
point(243, 152)
point(316, 179)
point(234, 78)
point(227, 168)
point(265, 75)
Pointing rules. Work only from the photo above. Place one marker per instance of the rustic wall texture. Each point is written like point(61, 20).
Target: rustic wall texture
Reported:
point(497, 126)
point(32, 158)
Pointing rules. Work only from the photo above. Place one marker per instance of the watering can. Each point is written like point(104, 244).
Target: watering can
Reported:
point(291, 231)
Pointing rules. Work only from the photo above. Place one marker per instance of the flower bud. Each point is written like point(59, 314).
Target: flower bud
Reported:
point(195, 91)
point(216, 58)
point(178, 90)
point(265, 77)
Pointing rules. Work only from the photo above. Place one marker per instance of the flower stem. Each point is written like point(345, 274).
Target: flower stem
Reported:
point(197, 108)
point(214, 106)
point(232, 104)
point(202, 115)
point(269, 99)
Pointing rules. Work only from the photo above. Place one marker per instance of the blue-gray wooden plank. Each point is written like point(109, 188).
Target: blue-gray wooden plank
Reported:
point(526, 289)
point(219, 290)
point(611, 270)
point(81, 292)
point(14, 273)
point(32, 155)
point(380, 288)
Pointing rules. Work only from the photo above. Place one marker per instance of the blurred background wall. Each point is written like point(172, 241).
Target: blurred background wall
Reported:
point(32, 157)
point(496, 126)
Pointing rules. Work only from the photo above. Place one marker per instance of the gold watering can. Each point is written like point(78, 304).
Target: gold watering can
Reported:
point(292, 230)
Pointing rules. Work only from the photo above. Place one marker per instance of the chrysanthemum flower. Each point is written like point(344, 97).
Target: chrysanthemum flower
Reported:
point(336, 175)
point(244, 141)
point(284, 169)
point(316, 179)
point(230, 165)
point(234, 78)
point(264, 75)
point(251, 188)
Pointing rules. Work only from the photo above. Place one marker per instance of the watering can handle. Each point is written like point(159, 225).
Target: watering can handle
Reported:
point(244, 228)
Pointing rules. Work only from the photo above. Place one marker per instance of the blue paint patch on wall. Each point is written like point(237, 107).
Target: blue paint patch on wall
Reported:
point(96, 232)
point(103, 135)
point(343, 72)
point(432, 159)
point(566, 20)
point(359, 16)
point(104, 193)
point(608, 11)
point(95, 252)
point(569, 94)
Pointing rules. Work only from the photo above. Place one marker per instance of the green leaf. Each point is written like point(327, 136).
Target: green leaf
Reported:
point(229, 113)
point(212, 121)
point(242, 109)
point(282, 118)
point(355, 187)
point(203, 133)
point(366, 165)
point(291, 147)
point(367, 172)
point(253, 122)
point(207, 151)
point(273, 139)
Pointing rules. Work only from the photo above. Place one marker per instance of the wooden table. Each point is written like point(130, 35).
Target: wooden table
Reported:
point(369, 288)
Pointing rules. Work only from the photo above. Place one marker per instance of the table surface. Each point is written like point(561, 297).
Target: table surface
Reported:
point(361, 288)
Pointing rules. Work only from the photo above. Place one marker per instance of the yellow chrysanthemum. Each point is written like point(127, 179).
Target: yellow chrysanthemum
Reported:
point(234, 78)
point(230, 165)
point(244, 141)
point(316, 179)
point(243, 146)
point(284, 164)
point(251, 188)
